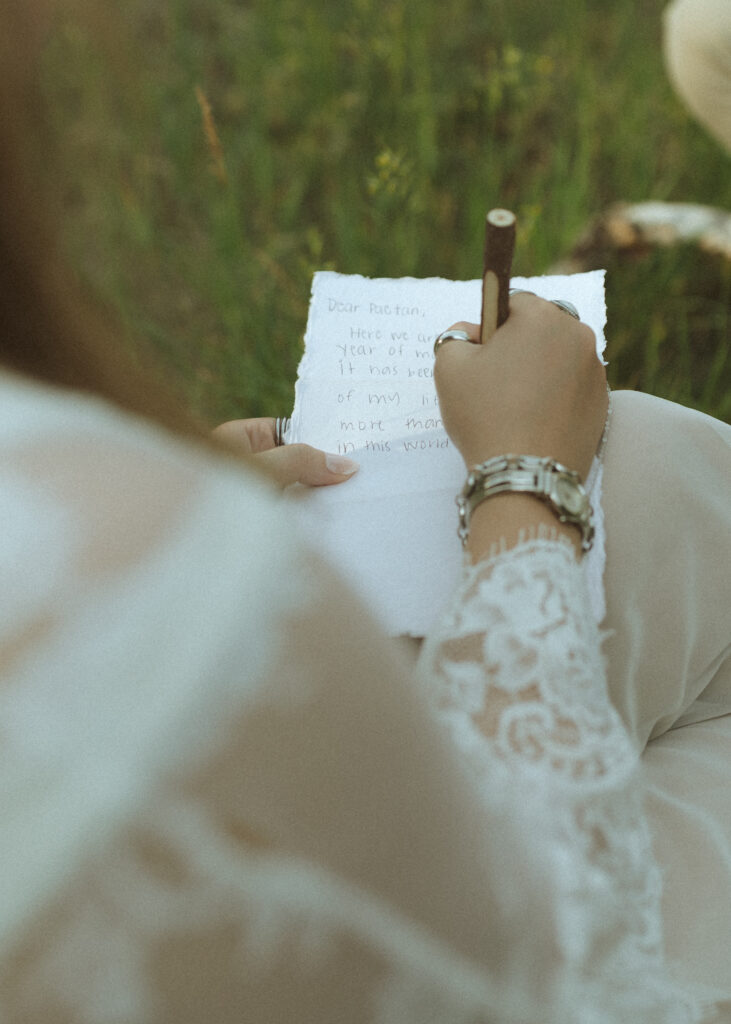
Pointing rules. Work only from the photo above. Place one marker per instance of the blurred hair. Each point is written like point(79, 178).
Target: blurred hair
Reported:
point(49, 329)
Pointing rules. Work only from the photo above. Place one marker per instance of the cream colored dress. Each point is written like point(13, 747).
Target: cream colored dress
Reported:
point(224, 796)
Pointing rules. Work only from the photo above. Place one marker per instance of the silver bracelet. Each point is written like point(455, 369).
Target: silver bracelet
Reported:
point(560, 488)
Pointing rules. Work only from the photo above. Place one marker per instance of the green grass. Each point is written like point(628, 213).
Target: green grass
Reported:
point(370, 136)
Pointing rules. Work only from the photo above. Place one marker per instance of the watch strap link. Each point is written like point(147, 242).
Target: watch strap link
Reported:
point(546, 478)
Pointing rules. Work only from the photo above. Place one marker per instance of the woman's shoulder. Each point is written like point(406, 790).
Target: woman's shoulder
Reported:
point(123, 480)
point(36, 412)
point(108, 516)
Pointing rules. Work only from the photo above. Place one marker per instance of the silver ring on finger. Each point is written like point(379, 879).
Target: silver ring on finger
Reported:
point(446, 336)
point(567, 307)
point(281, 426)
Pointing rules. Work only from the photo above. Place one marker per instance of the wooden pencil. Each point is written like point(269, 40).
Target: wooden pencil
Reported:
point(498, 259)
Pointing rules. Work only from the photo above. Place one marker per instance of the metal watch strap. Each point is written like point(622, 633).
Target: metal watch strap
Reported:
point(548, 480)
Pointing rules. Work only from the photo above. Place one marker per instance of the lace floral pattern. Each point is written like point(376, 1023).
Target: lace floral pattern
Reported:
point(520, 656)
point(516, 674)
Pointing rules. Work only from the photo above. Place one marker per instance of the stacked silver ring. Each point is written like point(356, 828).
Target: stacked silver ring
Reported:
point(564, 304)
point(567, 307)
point(446, 336)
point(281, 426)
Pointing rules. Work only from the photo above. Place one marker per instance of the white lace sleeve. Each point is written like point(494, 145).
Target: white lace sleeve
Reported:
point(517, 674)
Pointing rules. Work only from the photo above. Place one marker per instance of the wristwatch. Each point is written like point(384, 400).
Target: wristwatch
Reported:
point(547, 479)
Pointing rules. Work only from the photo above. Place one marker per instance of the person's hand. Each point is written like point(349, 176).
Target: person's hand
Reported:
point(287, 464)
point(536, 388)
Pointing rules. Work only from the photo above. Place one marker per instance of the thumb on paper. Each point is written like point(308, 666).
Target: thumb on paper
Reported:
point(303, 464)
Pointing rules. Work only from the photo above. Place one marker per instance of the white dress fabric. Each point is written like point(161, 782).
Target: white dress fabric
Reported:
point(226, 797)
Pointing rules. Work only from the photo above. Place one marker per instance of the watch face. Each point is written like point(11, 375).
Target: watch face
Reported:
point(569, 495)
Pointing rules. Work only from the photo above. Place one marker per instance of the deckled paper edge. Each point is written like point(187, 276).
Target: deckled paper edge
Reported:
point(594, 563)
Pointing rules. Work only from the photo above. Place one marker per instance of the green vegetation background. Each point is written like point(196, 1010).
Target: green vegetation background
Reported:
point(215, 153)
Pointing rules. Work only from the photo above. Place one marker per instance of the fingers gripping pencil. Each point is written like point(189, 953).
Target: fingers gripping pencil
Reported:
point(499, 246)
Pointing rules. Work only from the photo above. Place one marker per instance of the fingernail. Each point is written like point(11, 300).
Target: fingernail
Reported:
point(339, 464)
